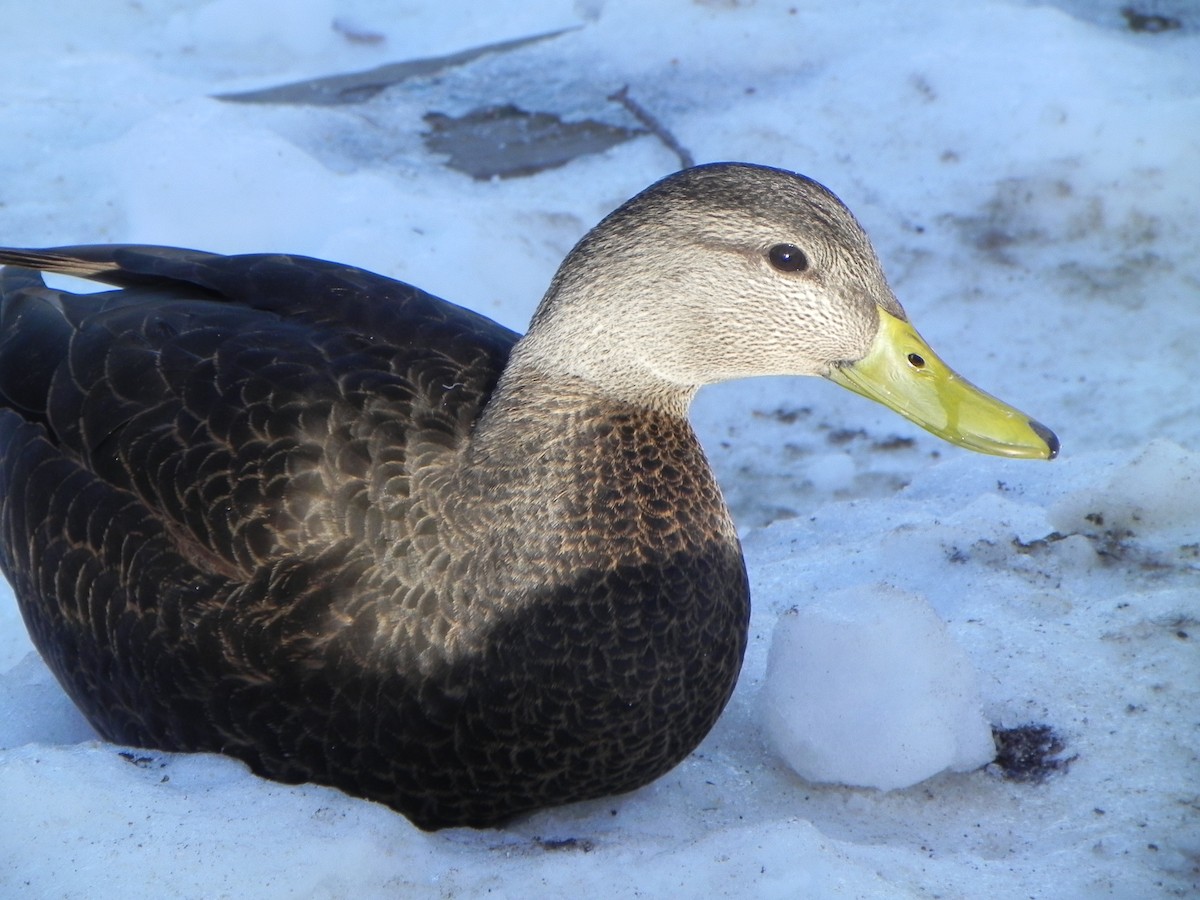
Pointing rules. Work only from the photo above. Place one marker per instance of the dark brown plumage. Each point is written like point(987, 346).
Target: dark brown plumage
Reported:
point(242, 513)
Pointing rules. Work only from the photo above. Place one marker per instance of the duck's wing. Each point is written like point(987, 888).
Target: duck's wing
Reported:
point(257, 406)
point(293, 287)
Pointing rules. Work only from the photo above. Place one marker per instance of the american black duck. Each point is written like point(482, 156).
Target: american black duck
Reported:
point(319, 520)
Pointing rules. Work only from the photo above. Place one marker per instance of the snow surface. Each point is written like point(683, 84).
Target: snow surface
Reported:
point(1028, 174)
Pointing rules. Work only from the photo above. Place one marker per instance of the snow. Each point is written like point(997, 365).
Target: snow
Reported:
point(1158, 491)
point(866, 687)
point(1027, 172)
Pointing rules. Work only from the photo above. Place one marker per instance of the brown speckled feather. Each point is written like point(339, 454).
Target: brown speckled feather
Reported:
point(249, 507)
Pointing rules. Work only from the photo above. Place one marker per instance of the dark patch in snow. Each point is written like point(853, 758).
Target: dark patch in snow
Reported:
point(1029, 753)
point(1181, 625)
point(142, 762)
point(359, 87)
point(506, 141)
point(579, 844)
point(957, 555)
point(1149, 23)
point(894, 442)
point(842, 436)
point(1038, 545)
point(784, 415)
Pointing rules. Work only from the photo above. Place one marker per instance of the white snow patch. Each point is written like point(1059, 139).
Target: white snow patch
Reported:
point(865, 686)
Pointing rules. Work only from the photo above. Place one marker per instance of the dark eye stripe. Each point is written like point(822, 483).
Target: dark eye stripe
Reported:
point(787, 258)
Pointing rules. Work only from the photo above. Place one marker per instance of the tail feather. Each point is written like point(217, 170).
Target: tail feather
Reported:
point(59, 259)
point(121, 265)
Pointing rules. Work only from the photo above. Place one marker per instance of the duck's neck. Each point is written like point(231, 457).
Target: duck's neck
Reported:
point(605, 479)
point(549, 362)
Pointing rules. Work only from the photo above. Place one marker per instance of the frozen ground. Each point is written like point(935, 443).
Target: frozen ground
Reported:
point(1028, 173)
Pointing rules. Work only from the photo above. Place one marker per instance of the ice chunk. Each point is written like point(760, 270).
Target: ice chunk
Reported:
point(866, 687)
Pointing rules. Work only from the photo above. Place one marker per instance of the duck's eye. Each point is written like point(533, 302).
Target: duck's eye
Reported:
point(916, 361)
point(787, 258)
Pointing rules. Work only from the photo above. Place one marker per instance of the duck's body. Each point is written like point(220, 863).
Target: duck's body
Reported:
point(317, 519)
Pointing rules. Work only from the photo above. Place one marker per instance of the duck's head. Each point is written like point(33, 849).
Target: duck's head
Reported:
point(730, 270)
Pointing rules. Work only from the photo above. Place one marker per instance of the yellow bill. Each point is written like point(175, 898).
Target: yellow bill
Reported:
point(902, 373)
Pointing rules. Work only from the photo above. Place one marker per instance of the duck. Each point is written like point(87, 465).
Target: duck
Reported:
point(350, 533)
